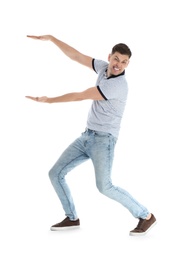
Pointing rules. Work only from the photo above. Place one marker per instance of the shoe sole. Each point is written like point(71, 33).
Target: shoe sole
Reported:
point(143, 233)
point(63, 228)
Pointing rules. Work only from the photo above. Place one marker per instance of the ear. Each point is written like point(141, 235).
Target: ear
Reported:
point(109, 56)
point(128, 62)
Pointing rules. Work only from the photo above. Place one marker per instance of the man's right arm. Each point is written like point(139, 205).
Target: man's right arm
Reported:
point(66, 49)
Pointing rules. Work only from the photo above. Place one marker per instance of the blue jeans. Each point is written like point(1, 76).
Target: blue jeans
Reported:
point(99, 147)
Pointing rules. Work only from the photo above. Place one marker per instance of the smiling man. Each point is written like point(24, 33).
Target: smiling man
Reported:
point(98, 141)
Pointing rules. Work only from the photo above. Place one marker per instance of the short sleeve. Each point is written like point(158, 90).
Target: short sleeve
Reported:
point(114, 88)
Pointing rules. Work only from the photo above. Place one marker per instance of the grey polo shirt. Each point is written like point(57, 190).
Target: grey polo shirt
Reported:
point(105, 115)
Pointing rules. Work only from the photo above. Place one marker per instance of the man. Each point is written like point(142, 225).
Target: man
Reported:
point(98, 141)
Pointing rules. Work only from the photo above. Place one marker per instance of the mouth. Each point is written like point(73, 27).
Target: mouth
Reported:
point(116, 69)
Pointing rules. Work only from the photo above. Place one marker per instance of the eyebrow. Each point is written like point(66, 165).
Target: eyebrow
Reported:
point(119, 59)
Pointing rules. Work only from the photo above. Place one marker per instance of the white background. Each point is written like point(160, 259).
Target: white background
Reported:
point(33, 135)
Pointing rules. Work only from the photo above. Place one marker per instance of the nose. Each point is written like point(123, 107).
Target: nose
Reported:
point(118, 64)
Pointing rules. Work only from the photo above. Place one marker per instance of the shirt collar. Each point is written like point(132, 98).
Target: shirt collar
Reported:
point(115, 76)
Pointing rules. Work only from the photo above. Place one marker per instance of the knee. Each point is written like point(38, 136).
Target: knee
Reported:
point(102, 188)
point(52, 175)
point(55, 174)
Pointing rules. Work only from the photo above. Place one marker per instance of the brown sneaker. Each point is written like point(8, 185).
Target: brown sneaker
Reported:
point(66, 224)
point(143, 226)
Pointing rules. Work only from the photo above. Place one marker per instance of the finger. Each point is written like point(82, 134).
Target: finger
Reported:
point(33, 98)
point(28, 97)
point(34, 37)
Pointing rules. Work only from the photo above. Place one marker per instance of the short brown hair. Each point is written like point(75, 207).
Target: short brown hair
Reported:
point(122, 49)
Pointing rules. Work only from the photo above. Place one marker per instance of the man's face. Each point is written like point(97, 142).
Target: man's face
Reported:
point(117, 63)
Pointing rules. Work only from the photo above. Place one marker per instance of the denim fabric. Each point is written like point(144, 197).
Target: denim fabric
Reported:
point(99, 147)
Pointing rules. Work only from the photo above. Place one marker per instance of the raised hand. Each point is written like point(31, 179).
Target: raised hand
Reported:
point(41, 37)
point(39, 99)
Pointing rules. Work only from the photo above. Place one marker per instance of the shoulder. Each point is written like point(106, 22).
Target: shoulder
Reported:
point(99, 65)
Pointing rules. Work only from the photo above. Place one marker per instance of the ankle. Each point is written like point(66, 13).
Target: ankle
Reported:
point(149, 216)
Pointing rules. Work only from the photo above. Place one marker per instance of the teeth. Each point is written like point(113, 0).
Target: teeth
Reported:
point(116, 68)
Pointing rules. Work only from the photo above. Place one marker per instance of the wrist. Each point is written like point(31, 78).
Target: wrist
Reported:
point(51, 38)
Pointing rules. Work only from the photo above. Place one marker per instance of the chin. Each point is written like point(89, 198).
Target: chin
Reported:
point(117, 73)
